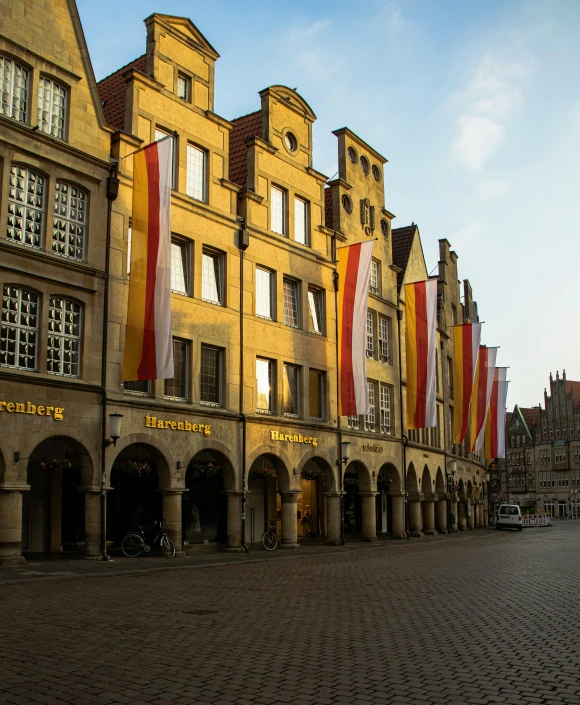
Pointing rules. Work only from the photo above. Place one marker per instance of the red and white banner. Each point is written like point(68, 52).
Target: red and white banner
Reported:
point(482, 387)
point(354, 268)
point(495, 423)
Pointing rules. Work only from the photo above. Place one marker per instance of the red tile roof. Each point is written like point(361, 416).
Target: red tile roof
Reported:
point(402, 244)
point(328, 220)
point(531, 416)
point(112, 91)
point(244, 127)
point(574, 389)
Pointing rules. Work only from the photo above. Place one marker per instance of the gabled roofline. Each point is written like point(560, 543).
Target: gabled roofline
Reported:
point(366, 145)
point(169, 22)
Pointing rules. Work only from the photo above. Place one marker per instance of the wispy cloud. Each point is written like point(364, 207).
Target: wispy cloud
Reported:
point(308, 32)
point(493, 189)
point(468, 240)
point(487, 103)
point(311, 53)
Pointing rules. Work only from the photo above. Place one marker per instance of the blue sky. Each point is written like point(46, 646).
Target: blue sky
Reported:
point(476, 105)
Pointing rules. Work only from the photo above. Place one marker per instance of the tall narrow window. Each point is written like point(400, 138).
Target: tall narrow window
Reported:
point(301, 221)
point(51, 107)
point(19, 332)
point(176, 388)
point(375, 277)
point(316, 397)
point(70, 221)
point(161, 134)
point(370, 348)
point(211, 373)
point(212, 276)
point(264, 279)
point(370, 418)
point(195, 185)
point(13, 89)
point(25, 206)
point(354, 422)
point(384, 339)
point(64, 337)
point(315, 310)
point(291, 390)
point(184, 87)
point(180, 267)
point(291, 317)
point(264, 397)
point(278, 210)
point(386, 401)
point(450, 390)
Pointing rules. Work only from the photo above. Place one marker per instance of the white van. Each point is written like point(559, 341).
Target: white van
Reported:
point(509, 516)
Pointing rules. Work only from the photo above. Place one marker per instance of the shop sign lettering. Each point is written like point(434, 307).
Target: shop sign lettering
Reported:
point(154, 422)
point(369, 448)
point(12, 407)
point(293, 438)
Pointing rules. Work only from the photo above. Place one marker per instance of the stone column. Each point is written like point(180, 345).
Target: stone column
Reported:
point(55, 533)
point(289, 522)
point(441, 516)
point(481, 515)
point(234, 522)
point(171, 512)
point(92, 522)
point(415, 518)
point(369, 516)
point(471, 516)
point(461, 516)
point(398, 518)
point(11, 526)
point(332, 518)
point(455, 510)
point(429, 517)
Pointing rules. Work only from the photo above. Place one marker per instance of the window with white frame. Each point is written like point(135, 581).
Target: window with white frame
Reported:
point(212, 275)
point(211, 375)
point(180, 283)
point(26, 204)
point(370, 417)
point(52, 98)
point(354, 422)
point(264, 393)
point(316, 394)
point(291, 390)
point(301, 230)
point(370, 346)
point(195, 182)
point(384, 339)
point(162, 134)
point(176, 387)
point(264, 288)
point(19, 331)
point(386, 401)
point(141, 387)
point(315, 310)
point(13, 89)
point(375, 277)
point(64, 337)
point(70, 220)
point(291, 307)
point(278, 210)
point(184, 87)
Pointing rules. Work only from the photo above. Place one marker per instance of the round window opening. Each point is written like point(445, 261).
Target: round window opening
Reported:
point(346, 203)
point(385, 227)
point(364, 162)
point(376, 172)
point(290, 142)
point(352, 155)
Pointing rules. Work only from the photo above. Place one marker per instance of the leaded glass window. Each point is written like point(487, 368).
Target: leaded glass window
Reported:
point(384, 344)
point(370, 418)
point(14, 89)
point(315, 310)
point(264, 293)
point(196, 170)
point(210, 375)
point(291, 390)
point(176, 388)
point(386, 399)
point(354, 422)
point(316, 386)
point(137, 387)
point(301, 221)
point(51, 107)
point(70, 219)
point(291, 302)
point(25, 206)
point(19, 330)
point(179, 267)
point(64, 337)
point(212, 276)
point(278, 210)
point(370, 347)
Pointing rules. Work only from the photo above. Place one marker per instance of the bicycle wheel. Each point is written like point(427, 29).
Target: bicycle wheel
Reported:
point(269, 540)
point(167, 546)
point(132, 545)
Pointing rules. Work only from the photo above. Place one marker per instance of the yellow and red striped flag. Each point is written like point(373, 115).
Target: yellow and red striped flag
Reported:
point(354, 268)
point(421, 344)
point(495, 423)
point(148, 345)
point(466, 340)
point(481, 395)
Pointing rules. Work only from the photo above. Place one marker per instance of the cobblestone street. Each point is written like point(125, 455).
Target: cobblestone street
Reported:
point(486, 617)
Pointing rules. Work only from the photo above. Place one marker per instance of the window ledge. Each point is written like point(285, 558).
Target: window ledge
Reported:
point(213, 404)
point(264, 318)
point(266, 412)
point(214, 303)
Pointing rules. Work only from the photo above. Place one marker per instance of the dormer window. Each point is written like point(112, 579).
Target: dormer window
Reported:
point(184, 87)
point(290, 142)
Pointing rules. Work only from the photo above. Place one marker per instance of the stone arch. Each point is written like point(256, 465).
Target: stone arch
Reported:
point(440, 487)
point(280, 462)
point(226, 463)
point(164, 458)
point(6, 452)
point(330, 484)
point(90, 464)
point(469, 488)
point(412, 482)
point(363, 474)
point(426, 482)
point(390, 473)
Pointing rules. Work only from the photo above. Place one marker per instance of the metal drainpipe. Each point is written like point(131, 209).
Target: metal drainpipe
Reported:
point(339, 462)
point(241, 394)
point(112, 193)
point(401, 416)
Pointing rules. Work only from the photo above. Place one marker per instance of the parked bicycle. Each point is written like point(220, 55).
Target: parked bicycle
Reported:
point(135, 543)
point(269, 539)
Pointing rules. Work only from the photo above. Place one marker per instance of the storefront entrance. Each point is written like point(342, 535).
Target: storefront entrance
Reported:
point(263, 502)
point(204, 508)
point(352, 504)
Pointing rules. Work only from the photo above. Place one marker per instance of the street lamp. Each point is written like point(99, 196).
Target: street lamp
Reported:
point(343, 460)
point(115, 426)
point(115, 429)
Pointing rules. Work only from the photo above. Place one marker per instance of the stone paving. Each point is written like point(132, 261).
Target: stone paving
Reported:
point(486, 617)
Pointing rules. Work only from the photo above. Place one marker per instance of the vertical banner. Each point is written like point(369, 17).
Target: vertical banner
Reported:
point(482, 387)
point(148, 345)
point(421, 344)
point(495, 423)
point(354, 268)
point(466, 341)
